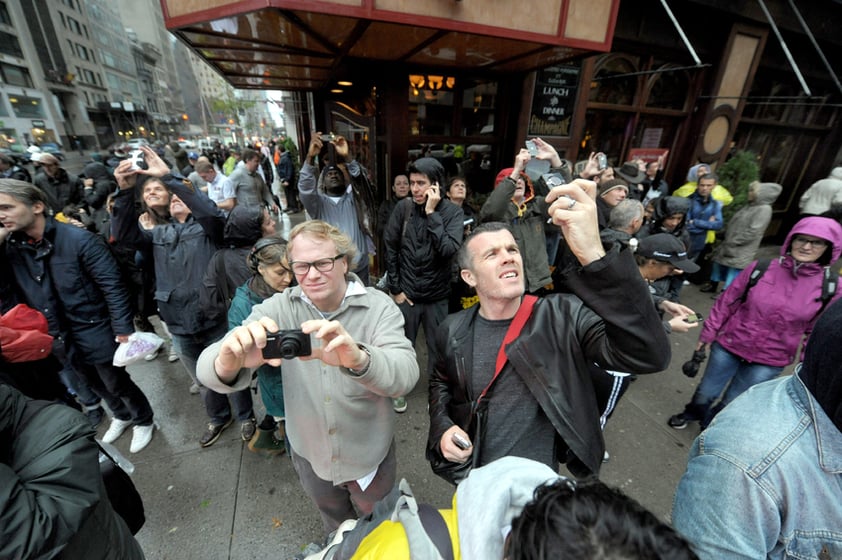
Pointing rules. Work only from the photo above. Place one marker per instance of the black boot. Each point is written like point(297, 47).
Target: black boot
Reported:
point(710, 288)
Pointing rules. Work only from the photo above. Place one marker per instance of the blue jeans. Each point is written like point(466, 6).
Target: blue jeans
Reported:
point(724, 369)
point(217, 407)
point(78, 385)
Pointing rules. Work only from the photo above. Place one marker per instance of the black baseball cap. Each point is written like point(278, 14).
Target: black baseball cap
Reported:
point(665, 247)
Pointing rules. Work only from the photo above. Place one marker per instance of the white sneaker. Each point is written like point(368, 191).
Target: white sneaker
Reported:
point(116, 429)
point(141, 437)
point(172, 356)
point(195, 389)
point(152, 356)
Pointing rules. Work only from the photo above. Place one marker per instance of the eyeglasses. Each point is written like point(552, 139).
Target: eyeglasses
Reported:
point(322, 265)
point(803, 241)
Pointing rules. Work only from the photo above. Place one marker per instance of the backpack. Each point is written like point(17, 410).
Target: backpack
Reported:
point(830, 280)
point(426, 531)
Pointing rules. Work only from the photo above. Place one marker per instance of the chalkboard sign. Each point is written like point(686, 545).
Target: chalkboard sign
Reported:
point(553, 100)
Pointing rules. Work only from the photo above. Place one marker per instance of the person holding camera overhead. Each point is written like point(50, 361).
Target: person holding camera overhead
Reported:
point(184, 228)
point(337, 393)
point(520, 204)
point(757, 325)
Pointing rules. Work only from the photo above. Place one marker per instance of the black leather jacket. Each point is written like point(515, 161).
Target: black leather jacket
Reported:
point(614, 324)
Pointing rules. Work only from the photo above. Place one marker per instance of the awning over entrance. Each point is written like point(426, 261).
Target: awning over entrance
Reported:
point(301, 45)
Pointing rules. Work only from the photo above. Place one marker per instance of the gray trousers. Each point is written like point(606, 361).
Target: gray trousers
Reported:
point(336, 503)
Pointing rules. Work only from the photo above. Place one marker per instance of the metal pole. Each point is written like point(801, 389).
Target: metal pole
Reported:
point(785, 48)
point(815, 45)
point(681, 33)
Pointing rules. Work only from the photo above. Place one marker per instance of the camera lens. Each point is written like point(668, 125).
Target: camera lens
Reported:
point(290, 348)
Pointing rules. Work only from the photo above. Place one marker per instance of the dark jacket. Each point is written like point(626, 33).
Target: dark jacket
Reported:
point(286, 169)
point(614, 324)
point(54, 501)
point(419, 253)
point(527, 225)
point(61, 190)
point(88, 303)
point(181, 252)
point(17, 172)
point(227, 269)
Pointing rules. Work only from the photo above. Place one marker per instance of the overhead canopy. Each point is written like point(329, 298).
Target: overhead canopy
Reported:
point(301, 45)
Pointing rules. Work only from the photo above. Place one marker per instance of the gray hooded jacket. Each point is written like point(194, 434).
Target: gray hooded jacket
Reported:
point(746, 228)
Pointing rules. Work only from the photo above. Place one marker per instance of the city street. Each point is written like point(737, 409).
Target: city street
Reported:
point(225, 502)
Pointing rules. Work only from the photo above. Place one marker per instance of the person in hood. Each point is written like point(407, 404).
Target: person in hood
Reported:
point(53, 503)
point(763, 480)
point(752, 338)
point(512, 508)
point(98, 184)
point(183, 228)
point(823, 194)
point(743, 234)
point(719, 193)
point(271, 274)
point(422, 236)
point(669, 216)
point(515, 203)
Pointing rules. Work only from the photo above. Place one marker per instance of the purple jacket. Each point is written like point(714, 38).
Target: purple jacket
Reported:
point(781, 308)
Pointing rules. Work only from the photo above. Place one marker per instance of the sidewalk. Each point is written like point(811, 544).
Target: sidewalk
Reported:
point(225, 502)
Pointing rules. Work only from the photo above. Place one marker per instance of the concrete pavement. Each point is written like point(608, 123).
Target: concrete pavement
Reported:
point(227, 503)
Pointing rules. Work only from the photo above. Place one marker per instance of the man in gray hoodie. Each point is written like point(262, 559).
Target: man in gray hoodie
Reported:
point(822, 194)
point(743, 234)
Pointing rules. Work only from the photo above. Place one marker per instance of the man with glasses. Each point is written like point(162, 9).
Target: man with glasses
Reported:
point(61, 187)
point(339, 418)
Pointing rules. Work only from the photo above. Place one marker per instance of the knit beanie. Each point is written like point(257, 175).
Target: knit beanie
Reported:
point(612, 184)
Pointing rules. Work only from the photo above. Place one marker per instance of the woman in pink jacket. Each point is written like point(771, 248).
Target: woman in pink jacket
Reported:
point(752, 335)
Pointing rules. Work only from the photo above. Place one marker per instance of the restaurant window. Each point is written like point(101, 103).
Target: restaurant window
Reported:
point(431, 104)
point(611, 84)
point(479, 101)
point(668, 89)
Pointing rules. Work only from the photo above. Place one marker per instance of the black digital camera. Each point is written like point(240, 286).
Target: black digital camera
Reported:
point(287, 345)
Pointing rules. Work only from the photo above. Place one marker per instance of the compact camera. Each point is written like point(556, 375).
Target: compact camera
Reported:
point(691, 366)
point(138, 160)
point(329, 137)
point(287, 345)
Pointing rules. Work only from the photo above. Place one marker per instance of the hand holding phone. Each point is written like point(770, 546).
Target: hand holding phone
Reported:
point(532, 148)
point(461, 442)
point(693, 318)
point(602, 161)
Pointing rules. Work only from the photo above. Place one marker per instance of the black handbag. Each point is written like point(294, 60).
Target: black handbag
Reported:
point(470, 416)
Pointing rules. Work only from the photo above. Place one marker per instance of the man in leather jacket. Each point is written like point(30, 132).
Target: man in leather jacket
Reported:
point(543, 405)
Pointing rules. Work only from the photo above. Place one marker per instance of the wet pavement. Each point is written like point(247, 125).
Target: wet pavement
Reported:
point(225, 502)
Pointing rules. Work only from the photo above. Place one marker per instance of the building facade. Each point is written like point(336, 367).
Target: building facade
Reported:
point(698, 79)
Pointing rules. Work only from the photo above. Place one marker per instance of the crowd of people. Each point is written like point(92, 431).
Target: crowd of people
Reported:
point(538, 309)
